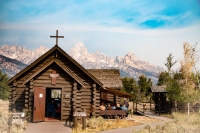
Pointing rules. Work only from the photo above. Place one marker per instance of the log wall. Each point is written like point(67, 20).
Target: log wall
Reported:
point(74, 95)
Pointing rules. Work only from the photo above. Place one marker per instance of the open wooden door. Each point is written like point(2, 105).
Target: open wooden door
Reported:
point(39, 104)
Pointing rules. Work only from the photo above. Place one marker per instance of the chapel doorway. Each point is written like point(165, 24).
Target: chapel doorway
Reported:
point(55, 95)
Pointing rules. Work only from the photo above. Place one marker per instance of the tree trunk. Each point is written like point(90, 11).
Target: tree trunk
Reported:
point(188, 108)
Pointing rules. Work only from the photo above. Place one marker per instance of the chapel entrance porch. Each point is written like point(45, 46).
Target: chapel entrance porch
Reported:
point(55, 95)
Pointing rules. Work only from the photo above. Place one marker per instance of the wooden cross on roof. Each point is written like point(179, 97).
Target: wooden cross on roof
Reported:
point(56, 37)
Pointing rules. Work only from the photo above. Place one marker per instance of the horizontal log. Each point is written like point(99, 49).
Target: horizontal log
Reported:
point(14, 88)
point(78, 94)
point(15, 84)
point(78, 105)
point(85, 90)
point(86, 97)
point(30, 103)
point(86, 94)
point(78, 98)
point(49, 84)
point(67, 91)
point(85, 100)
point(63, 78)
point(26, 101)
point(26, 93)
point(49, 81)
point(66, 109)
point(78, 102)
point(26, 96)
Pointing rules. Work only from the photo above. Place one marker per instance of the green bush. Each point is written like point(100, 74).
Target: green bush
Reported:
point(4, 89)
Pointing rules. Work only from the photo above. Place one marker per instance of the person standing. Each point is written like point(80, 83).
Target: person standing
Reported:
point(51, 108)
point(126, 103)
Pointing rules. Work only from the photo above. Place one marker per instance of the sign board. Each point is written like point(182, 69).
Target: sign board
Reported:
point(80, 114)
point(17, 117)
point(40, 95)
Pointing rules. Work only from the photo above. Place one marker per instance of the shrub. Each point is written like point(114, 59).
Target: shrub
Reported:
point(183, 124)
point(95, 122)
point(7, 126)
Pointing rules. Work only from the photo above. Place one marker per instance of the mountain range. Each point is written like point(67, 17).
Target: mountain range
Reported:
point(14, 58)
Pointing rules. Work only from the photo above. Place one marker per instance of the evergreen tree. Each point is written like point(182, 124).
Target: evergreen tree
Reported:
point(163, 78)
point(145, 85)
point(4, 89)
point(169, 62)
point(130, 86)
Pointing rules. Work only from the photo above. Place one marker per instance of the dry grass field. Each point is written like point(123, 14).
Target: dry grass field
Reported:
point(99, 124)
point(6, 125)
point(183, 124)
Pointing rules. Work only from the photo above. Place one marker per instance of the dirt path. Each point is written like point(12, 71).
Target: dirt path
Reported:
point(161, 121)
point(48, 127)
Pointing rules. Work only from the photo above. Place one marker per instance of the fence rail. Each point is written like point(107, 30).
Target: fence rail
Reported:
point(143, 107)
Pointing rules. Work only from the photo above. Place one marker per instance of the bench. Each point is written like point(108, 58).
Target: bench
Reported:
point(113, 113)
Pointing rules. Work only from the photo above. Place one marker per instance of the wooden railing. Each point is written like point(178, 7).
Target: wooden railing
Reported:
point(143, 107)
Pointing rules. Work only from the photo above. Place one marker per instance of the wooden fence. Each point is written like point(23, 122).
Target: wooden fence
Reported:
point(143, 107)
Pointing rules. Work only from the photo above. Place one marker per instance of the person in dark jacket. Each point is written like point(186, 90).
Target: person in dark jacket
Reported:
point(118, 107)
point(51, 108)
point(126, 103)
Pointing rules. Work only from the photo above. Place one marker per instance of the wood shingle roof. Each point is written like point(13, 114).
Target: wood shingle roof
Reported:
point(109, 77)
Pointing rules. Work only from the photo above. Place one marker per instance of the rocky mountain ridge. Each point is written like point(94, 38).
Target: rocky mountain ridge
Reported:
point(128, 64)
point(21, 53)
point(10, 66)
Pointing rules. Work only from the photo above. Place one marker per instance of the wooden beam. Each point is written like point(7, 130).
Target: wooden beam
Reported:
point(67, 70)
point(37, 72)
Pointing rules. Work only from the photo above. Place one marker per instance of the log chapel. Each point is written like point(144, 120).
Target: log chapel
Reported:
point(56, 75)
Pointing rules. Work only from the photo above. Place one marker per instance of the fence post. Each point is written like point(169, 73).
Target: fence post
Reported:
point(133, 108)
point(83, 121)
point(144, 109)
point(136, 106)
point(75, 121)
point(150, 105)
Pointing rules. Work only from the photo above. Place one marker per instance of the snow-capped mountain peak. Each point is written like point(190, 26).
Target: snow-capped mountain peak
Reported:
point(128, 64)
point(21, 53)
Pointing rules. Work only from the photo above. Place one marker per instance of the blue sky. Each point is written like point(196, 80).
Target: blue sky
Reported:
point(149, 28)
